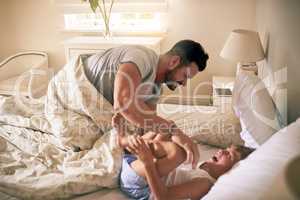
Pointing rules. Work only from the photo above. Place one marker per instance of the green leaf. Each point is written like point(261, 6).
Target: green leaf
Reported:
point(94, 5)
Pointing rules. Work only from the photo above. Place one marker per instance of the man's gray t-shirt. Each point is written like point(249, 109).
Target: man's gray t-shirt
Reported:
point(102, 68)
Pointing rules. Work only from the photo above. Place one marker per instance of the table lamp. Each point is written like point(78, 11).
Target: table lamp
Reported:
point(245, 48)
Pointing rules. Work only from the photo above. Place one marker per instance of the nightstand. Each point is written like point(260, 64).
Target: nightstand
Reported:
point(222, 92)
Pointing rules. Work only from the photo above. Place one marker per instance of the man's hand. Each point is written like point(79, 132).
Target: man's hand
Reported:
point(139, 147)
point(189, 146)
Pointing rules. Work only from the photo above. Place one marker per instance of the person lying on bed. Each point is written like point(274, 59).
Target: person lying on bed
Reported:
point(162, 157)
point(149, 172)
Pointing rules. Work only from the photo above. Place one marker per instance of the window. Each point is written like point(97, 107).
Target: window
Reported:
point(128, 16)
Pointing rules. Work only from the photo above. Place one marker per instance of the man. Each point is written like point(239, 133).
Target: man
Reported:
point(129, 77)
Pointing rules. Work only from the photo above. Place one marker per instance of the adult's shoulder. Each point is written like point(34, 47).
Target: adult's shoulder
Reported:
point(139, 49)
point(144, 58)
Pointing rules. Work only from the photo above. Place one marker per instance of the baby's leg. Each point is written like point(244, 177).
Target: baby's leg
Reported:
point(168, 157)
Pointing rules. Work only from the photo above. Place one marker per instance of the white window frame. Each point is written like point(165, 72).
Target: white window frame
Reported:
point(139, 6)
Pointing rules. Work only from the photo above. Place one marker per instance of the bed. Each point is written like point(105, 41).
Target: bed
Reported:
point(30, 141)
point(30, 153)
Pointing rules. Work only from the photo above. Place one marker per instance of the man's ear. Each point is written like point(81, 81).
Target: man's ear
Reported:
point(174, 62)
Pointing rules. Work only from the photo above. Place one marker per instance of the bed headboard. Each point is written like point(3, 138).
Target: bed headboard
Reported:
point(21, 62)
point(25, 73)
point(278, 25)
point(276, 82)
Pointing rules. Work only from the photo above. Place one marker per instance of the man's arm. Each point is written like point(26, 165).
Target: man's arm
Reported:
point(152, 107)
point(126, 100)
point(136, 111)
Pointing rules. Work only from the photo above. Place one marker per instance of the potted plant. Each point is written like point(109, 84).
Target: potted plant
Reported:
point(105, 7)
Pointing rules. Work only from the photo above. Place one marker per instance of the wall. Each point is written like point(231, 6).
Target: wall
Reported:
point(35, 27)
point(208, 22)
point(7, 32)
point(278, 25)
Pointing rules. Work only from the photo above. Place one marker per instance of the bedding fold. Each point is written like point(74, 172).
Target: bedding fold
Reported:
point(59, 145)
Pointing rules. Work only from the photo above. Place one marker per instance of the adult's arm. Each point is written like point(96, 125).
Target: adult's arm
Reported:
point(152, 107)
point(137, 112)
point(128, 103)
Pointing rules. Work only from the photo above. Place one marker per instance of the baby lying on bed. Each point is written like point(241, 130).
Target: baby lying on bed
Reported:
point(150, 172)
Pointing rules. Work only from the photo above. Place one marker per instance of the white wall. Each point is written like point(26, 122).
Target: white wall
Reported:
point(7, 33)
point(209, 22)
point(278, 25)
point(35, 27)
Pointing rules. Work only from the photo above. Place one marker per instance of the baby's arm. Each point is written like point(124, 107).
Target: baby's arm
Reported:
point(119, 123)
point(124, 141)
point(167, 156)
point(193, 189)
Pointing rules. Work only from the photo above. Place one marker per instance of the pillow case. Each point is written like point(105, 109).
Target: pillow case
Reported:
point(247, 137)
point(217, 129)
point(254, 177)
point(254, 106)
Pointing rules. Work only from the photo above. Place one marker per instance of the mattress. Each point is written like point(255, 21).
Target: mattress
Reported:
point(206, 152)
point(27, 141)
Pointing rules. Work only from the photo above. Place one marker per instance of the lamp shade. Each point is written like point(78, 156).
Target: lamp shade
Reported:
point(243, 46)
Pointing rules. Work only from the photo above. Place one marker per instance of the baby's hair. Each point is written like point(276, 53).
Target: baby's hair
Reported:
point(244, 151)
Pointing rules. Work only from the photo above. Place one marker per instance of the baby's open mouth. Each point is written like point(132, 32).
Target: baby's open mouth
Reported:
point(215, 158)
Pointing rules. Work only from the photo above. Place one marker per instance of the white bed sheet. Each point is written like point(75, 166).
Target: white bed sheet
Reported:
point(206, 152)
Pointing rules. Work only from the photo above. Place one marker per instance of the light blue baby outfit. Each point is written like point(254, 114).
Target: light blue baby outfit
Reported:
point(133, 185)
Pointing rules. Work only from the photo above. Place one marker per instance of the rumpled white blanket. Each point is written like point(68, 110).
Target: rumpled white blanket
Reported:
point(61, 145)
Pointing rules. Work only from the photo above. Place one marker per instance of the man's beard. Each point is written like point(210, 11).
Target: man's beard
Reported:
point(172, 85)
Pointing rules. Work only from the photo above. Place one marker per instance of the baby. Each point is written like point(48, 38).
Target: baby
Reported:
point(149, 171)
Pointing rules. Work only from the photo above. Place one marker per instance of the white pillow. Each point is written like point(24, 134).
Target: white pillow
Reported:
point(254, 177)
point(204, 124)
point(217, 129)
point(247, 137)
point(254, 106)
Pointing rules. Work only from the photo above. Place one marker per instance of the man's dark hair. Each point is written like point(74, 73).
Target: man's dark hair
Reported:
point(190, 51)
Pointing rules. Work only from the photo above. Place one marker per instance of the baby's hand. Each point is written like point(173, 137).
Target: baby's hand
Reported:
point(141, 149)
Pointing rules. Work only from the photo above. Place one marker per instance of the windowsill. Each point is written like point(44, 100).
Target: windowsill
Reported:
point(118, 33)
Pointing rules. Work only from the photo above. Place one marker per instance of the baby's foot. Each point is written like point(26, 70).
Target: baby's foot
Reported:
point(118, 124)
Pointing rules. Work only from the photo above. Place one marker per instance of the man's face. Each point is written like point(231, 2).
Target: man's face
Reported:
point(180, 75)
point(226, 158)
